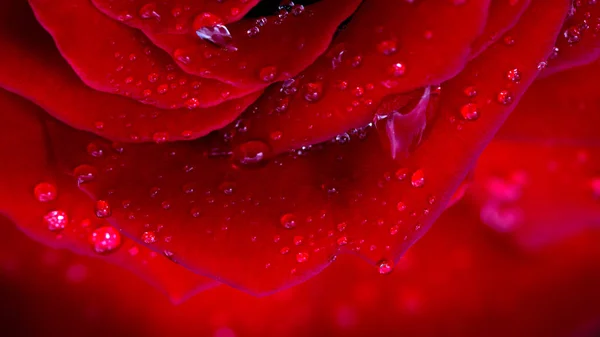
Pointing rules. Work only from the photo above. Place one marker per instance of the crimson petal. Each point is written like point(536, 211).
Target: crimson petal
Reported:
point(503, 16)
point(540, 193)
point(47, 206)
point(261, 225)
point(175, 18)
point(113, 58)
point(561, 109)
point(386, 49)
point(264, 50)
point(33, 69)
point(580, 41)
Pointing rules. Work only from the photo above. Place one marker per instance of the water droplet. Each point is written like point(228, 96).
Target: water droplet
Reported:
point(181, 56)
point(56, 220)
point(217, 34)
point(102, 209)
point(251, 153)
point(418, 178)
point(302, 257)
point(253, 31)
point(288, 221)
point(149, 237)
point(160, 137)
point(206, 19)
point(470, 91)
point(385, 267)
point(148, 11)
point(84, 173)
point(387, 47)
point(267, 74)
point(572, 34)
point(504, 97)
point(397, 69)
point(192, 103)
point(469, 111)
point(105, 239)
point(514, 75)
point(45, 192)
point(313, 91)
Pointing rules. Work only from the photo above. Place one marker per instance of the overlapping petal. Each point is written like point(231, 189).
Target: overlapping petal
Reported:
point(45, 203)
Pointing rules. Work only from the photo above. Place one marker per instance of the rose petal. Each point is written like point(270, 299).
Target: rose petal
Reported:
point(504, 14)
point(460, 280)
point(113, 58)
point(261, 225)
point(47, 206)
point(386, 49)
point(175, 18)
point(579, 43)
point(561, 109)
point(261, 51)
point(540, 193)
point(33, 69)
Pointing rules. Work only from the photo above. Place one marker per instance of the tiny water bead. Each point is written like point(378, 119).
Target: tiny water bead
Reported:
point(105, 239)
point(102, 209)
point(385, 267)
point(56, 220)
point(45, 192)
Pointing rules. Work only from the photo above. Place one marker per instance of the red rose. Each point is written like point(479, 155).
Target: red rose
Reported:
point(252, 144)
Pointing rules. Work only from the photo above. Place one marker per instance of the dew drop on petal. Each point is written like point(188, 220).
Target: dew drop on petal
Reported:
point(102, 209)
point(469, 111)
point(504, 97)
point(313, 91)
point(149, 237)
point(418, 179)
point(251, 153)
point(105, 239)
point(268, 74)
point(301, 257)
point(56, 220)
point(385, 267)
point(288, 221)
point(45, 192)
point(514, 75)
point(84, 173)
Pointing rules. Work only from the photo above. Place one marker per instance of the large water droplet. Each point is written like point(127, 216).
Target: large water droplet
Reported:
point(418, 178)
point(251, 153)
point(469, 111)
point(45, 192)
point(105, 239)
point(56, 220)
